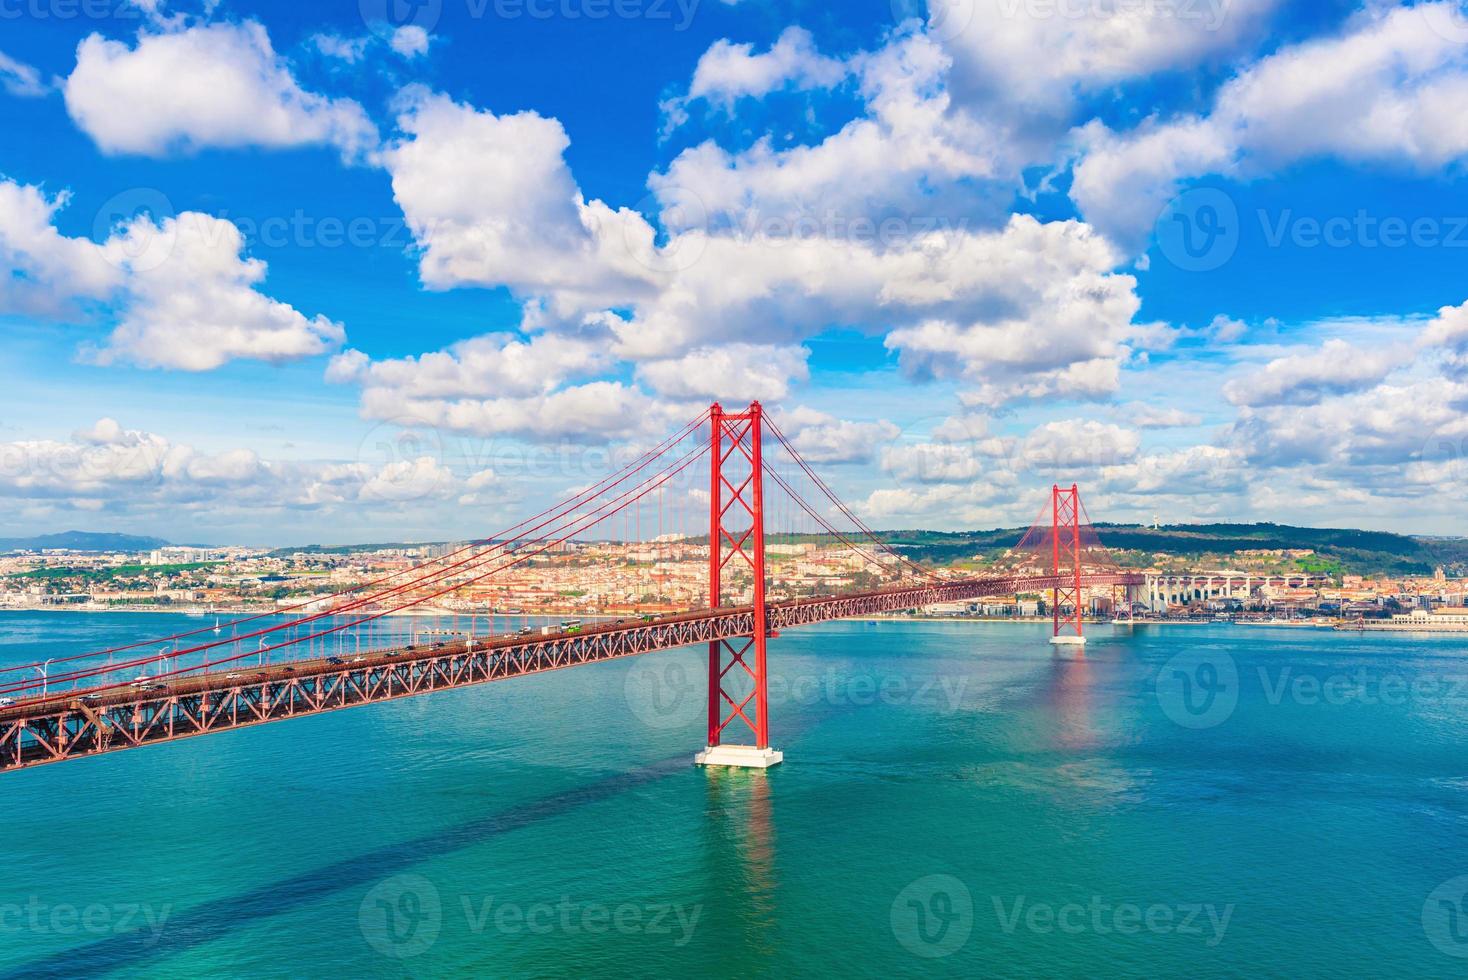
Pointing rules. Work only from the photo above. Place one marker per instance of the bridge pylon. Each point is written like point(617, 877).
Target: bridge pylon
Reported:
point(738, 680)
point(1065, 565)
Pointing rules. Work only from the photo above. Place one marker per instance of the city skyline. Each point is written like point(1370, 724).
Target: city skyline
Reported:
point(393, 271)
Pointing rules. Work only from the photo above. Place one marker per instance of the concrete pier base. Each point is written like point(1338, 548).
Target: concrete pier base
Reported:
point(1068, 641)
point(739, 756)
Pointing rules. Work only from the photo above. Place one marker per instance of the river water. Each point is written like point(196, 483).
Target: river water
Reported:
point(956, 800)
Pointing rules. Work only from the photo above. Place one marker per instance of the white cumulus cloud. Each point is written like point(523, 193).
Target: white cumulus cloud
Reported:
point(214, 85)
point(1388, 89)
point(193, 304)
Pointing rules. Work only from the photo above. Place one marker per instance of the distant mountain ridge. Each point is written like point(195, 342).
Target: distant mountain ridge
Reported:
point(1343, 548)
point(83, 541)
point(1346, 548)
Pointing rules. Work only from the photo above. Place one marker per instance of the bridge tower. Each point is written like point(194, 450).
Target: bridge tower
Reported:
point(738, 682)
point(1065, 565)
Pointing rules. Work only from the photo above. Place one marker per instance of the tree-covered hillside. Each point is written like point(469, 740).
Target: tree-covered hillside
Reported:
point(1338, 549)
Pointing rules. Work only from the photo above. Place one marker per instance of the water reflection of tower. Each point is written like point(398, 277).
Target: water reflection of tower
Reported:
point(740, 853)
point(1072, 702)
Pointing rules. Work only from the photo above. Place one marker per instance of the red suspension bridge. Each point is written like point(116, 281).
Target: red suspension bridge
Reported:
point(779, 549)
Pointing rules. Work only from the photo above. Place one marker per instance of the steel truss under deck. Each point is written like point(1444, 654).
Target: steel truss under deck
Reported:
point(61, 728)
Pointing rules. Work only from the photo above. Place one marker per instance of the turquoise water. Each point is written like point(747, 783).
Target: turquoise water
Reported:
point(1201, 801)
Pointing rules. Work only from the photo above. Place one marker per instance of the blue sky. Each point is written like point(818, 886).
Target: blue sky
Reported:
point(278, 272)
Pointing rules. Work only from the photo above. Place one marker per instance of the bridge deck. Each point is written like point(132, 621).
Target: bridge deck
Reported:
point(62, 727)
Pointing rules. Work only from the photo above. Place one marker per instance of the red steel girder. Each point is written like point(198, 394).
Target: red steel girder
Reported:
point(1065, 539)
point(740, 433)
point(61, 727)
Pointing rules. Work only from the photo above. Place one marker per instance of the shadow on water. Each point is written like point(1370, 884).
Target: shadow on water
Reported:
point(753, 849)
point(217, 919)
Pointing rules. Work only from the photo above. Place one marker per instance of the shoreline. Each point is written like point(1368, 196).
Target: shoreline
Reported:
point(550, 613)
point(1025, 620)
point(205, 614)
point(1334, 626)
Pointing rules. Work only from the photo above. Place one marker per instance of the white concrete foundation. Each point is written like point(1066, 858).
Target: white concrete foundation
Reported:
point(1068, 641)
point(739, 756)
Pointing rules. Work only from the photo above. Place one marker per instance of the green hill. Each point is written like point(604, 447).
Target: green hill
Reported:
point(83, 541)
point(1337, 549)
